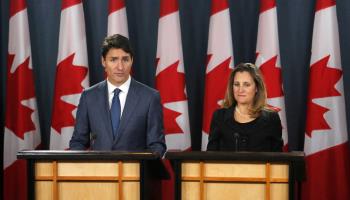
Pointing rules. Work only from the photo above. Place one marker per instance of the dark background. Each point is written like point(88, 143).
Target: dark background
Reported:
point(295, 20)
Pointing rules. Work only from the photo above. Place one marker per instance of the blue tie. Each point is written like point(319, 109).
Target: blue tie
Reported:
point(115, 111)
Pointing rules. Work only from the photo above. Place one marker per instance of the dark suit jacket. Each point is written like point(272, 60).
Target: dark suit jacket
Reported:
point(141, 124)
point(262, 134)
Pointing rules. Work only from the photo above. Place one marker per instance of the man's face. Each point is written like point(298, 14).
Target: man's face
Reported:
point(117, 65)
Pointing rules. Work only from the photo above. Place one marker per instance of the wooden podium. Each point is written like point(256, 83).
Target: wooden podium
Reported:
point(93, 175)
point(236, 175)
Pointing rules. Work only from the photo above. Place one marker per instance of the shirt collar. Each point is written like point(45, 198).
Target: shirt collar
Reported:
point(124, 87)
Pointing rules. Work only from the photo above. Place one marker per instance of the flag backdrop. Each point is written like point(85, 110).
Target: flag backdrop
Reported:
point(170, 78)
point(269, 61)
point(295, 27)
point(326, 135)
point(71, 73)
point(22, 129)
point(170, 81)
point(219, 62)
point(117, 20)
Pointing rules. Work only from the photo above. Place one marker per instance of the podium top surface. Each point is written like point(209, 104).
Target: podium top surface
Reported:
point(86, 155)
point(296, 156)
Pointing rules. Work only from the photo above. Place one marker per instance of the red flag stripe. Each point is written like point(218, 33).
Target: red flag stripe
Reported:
point(218, 5)
point(115, 5)
point(168, 6)
point(16, 6)
point(267, 5)
point(328, 174)
point(69, 3)
point(322, 4)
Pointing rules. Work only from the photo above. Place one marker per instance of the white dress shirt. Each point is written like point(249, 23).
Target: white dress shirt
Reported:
point(122, 95)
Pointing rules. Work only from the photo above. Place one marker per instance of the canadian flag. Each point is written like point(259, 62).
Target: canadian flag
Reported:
point(117, 20)
point(170, 78)
point(170, 81)
point(219, 63)
point(71, 73)
point(326, 137)
point(22, 129)
point(268, 60)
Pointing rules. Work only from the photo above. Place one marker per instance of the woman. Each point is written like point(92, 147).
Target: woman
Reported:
point(245, 123)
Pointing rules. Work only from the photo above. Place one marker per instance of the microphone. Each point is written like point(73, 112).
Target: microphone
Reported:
point(236, 139)
point(93, 137)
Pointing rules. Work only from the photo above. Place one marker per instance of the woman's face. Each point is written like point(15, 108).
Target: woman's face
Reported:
point(244, 88)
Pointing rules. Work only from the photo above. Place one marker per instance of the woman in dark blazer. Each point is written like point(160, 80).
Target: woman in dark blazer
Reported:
point(245, 123)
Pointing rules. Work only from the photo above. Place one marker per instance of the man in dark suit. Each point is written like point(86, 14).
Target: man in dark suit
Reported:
point(119, 113)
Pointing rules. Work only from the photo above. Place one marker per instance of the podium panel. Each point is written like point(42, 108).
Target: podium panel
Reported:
point(87, 180)
point(65, 175)
point(237, 180)
point(240, 175)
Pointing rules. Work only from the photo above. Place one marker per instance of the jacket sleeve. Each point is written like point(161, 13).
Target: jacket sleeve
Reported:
point(276, 137)
point(81, 135)
point(214, 134)
point(155, 131)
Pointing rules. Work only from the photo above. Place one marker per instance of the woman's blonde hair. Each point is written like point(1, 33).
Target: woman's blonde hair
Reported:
point(259, 101)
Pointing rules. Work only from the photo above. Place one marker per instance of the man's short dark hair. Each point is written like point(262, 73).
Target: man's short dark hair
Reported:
point(116, 41)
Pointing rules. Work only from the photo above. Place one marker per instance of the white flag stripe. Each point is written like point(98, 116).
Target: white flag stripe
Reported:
point(117, 23)
point(72, 35)
point(220, 39)
point(267, 42)
point(327, 37)
point(19, 38)
point(169, 48)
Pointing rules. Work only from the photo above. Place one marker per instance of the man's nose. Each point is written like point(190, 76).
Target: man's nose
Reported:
point(119, 65)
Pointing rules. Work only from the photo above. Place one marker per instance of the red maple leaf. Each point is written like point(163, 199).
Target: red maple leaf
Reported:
point(171, 86)
point(68, 82)
point(215, 88)
point(321, 84)
point(20, 87)
point(272, 78)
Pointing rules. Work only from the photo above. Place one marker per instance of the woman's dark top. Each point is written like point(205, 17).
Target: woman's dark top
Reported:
point(262, 134)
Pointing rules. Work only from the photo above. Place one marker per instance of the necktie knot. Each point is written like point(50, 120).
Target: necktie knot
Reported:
point(116, 92)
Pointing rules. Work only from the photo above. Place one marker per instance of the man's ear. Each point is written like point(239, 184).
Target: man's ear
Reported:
point(103, 61)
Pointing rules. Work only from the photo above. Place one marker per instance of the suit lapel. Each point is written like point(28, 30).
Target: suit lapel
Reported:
point(130, 104)
point(103, 93)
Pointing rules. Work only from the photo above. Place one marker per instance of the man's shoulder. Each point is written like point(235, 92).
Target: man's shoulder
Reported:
point(143, 88)
point(98, 86)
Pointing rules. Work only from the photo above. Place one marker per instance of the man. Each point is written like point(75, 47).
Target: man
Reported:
point(119, 113)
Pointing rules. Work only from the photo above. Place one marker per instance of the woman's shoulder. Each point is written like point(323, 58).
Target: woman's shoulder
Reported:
point(221, 112)
point(269, 114)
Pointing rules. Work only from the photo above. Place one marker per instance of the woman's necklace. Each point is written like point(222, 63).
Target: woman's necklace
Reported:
point(239, 112)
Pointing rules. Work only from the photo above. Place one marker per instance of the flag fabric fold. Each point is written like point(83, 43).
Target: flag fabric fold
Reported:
point(326, 136)
point(22, 129)
point(268, 60)
point(219, 63)
point(71, 73)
